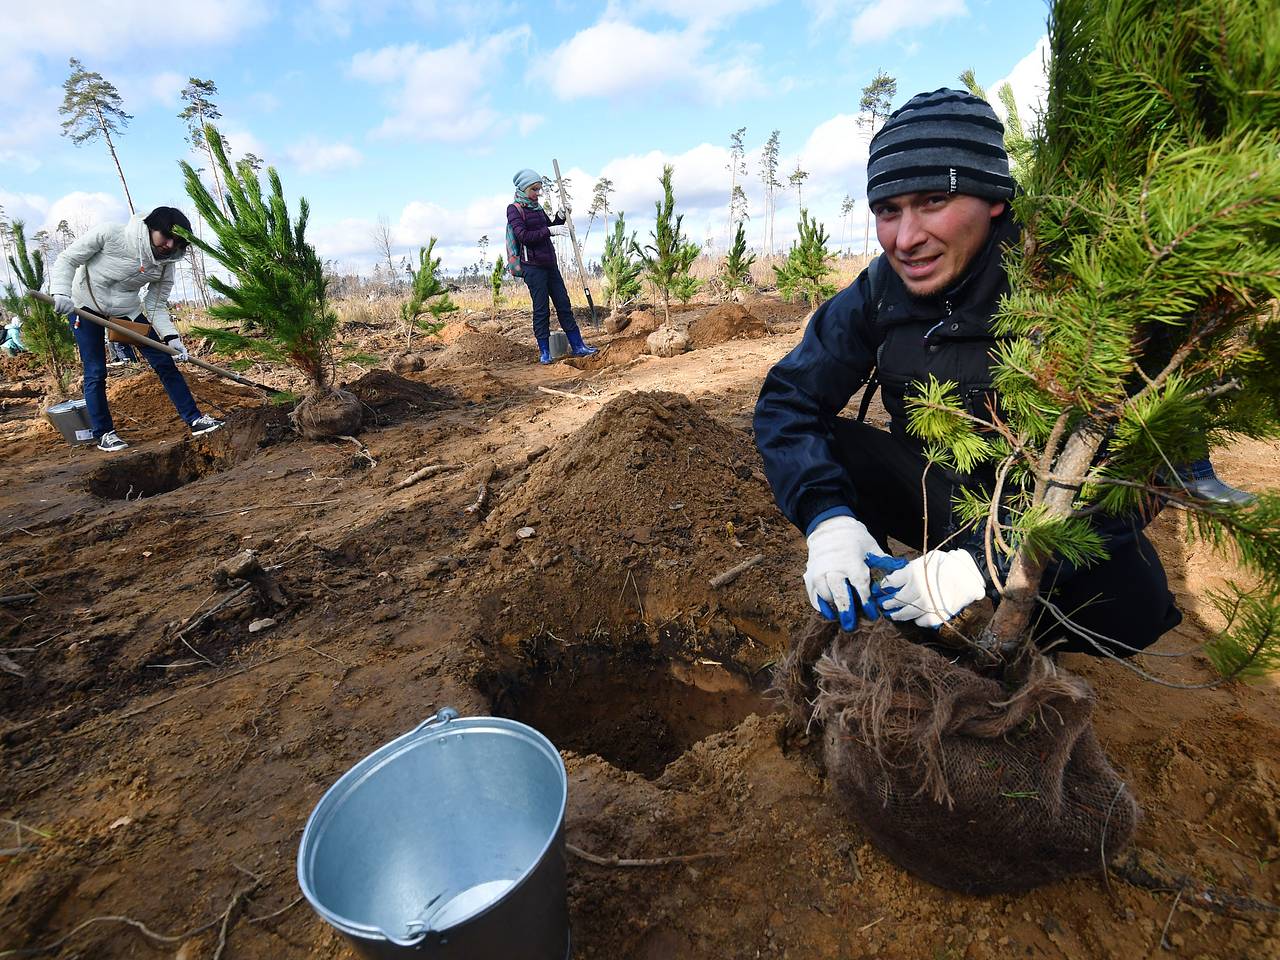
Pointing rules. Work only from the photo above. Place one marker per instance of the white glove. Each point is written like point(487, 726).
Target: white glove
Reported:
point(837, 569)
point(559, 230)
point(178, 345)
point(932, 588)
point(63, 305)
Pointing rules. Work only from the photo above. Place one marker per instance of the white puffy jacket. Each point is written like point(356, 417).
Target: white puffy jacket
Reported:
point(110, 265)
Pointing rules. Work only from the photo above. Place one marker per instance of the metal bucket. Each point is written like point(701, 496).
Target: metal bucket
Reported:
point(448, 842)
point(71, 418)
point(559, 344)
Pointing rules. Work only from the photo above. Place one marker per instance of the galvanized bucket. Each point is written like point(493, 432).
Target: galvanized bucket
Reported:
point(71, 418)
point(559, 344)
point(448, 842)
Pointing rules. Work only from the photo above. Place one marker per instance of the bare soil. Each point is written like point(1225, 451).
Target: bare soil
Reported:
point(160, 765)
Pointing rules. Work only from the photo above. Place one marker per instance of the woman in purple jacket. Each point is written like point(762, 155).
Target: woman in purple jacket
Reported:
point(530, 255)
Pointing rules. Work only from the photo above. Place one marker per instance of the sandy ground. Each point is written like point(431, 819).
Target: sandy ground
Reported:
point(161, 769)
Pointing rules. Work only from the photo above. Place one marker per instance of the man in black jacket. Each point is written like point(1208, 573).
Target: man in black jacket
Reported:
point(938, 184)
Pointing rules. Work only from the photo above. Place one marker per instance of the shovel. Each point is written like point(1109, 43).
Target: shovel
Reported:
point(142, 341)
point(573, 236)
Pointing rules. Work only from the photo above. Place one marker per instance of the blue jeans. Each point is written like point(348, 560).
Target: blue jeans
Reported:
point(92, 343)
point(545, 283)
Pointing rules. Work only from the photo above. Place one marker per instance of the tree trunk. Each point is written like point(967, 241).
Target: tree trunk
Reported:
point(1009, 627)
point(102, 125)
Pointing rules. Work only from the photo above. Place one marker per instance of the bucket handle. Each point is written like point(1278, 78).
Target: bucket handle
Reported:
point(443, 715)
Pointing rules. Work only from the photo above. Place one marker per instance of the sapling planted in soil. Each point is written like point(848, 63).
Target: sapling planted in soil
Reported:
point(803, 273)
point(735, 273)
point(277, 284)
point(667, 260)
point(44, 333)
point(621, 268)
point(1142, 329)
point(427, 295)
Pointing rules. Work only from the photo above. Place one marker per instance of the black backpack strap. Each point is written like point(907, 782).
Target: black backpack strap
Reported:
point(875, 275)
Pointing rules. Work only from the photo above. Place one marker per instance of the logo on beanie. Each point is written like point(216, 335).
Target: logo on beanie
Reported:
point(953, 179)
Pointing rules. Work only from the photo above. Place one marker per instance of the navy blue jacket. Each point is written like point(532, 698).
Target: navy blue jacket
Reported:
point(906, 339)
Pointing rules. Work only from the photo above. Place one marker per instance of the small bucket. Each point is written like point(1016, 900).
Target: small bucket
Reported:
point(447, 842)
point(559, 344)
point(71, 418)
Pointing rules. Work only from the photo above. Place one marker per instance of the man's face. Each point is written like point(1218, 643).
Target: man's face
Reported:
point(931, 237)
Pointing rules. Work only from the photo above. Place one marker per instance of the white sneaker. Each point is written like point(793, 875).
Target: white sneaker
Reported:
point(206, 424)
point(110, 442)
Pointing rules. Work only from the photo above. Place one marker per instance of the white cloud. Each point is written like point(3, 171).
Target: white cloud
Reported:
point(1029, 79)
point(84, 210)
point(312, 156)
point(27, 207)
point(708, 11)
point(614, 58)
point(439, 94)
point(526, 123)
point(874, 21)
point(118, 29)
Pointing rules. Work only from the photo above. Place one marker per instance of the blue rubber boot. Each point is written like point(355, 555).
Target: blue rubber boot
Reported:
point(576, 346)
point(544, 349)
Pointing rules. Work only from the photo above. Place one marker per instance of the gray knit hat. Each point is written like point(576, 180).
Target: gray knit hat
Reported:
point(946, 140)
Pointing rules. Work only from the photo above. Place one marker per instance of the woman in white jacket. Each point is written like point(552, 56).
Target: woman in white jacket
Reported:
point(106, 271)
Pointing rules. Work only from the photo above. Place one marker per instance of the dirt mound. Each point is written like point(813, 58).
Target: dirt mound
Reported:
point(729, 321)
point(142, 398)
point(643, 322)
point(473, 348)
point(653, 484)
point(388, 396)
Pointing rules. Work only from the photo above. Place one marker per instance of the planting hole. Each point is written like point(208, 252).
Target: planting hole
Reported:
point(637, 713)
point(152, 472)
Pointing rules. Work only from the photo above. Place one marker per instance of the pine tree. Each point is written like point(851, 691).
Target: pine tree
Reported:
point(279, 285)
point(877, 97)
point(769, 180)
point(621, 268)
point(44, 333)
point(599, 205)
point(667, 260)
point(427, 295)
point(796, 178)
point(737, 168)
point(1142, 327)
point(93, 109)
point(200, 109)
point(735, 273)
point(495, 284)
point(807, 265)
point(1016, 142)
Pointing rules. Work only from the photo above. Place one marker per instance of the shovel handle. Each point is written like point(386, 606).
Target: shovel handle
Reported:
point(150, 344)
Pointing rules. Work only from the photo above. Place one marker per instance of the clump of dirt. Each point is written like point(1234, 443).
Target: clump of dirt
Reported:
point(729, 321)
point(643, 322)
point(141, 397)
point(474, 348)
point(652, 488)
point(335, 413)
point(387, 396)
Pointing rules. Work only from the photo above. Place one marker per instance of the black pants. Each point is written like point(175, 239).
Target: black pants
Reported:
point(1124, 597)
point(545, 283)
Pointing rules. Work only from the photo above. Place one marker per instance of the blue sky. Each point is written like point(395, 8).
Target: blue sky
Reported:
point(419, 111)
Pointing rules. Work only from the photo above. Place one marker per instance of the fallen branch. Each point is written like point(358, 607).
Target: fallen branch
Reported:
point(483, 496)
point(1216, 899)
point(221, 604)
point(645, 862)
point(364, 451)
point(429, 471)
point(571, 396)
point(267, 506)
point(18, 598)
point(733, 573)
point(8, 666)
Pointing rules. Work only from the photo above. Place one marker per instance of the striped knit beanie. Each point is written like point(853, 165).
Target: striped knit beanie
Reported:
point(946, 140)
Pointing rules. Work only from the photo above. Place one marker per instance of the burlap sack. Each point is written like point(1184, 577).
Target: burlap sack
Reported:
point(966, 782)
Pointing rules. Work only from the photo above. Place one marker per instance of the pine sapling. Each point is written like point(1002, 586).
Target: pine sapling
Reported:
point(622, 271)
point(804, 271)
point(44, 333)
point(667, 260)
point(735, 272)
point(427, 295)
point(495, 285)
point(276, 283)
point(1141, 329)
